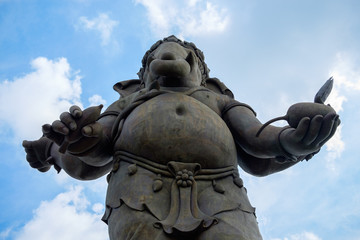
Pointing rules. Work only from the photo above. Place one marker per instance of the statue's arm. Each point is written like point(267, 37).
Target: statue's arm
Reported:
point(94, 144)
point(76, 167)
point(276, 148)
point(87, 158)
point(43, 153)
point(257, 155)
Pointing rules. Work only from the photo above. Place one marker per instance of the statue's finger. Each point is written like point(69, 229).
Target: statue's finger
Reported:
point(31, 158)
point(50, 134)
point(27, 144)
point(46, 128)
point(301, 129)
point(326, 129)
point(36, 164)
point(92, 130)
point(68, 120)
point(338, 121)
point(335, 125)
point(29, 149)
point(60, 127)
point(313, 130)
point(44, 169)
point(75, 111)
point(87, 131)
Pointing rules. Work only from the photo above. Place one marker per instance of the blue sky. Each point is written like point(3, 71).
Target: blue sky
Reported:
point(271, 54)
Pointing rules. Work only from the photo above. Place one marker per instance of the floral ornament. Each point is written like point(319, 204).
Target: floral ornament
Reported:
point(184, 178)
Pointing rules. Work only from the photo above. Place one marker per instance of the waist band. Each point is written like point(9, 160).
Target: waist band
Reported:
point(169, 171)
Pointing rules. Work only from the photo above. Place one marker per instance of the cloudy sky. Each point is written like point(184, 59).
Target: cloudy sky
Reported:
point(271, 54)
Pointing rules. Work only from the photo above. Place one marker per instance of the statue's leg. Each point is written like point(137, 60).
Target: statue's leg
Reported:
point(128, 224)
point(233, 225)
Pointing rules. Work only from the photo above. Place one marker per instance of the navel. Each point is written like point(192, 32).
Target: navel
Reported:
point(180, 110)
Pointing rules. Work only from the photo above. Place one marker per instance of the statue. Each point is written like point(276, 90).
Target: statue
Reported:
point(171, 146)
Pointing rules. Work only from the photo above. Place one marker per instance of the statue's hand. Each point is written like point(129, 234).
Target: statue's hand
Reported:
point(77, 131)
point(310, 134)
point(38, 153)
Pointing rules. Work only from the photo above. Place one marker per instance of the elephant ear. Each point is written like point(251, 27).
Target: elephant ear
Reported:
point(125, 88)
point(215, 85)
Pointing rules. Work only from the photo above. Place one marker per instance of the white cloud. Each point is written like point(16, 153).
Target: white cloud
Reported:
point(335, 148)
point(346, 73)
point(189, 18)
point(346, 82)
point(102, 24)
point(301, 236)
point(4, 234)
point(96, 100)
point(98, 208)
point(65, 217)
point(38, 97)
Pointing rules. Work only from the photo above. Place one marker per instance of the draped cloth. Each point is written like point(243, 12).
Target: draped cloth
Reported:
point(171, 193)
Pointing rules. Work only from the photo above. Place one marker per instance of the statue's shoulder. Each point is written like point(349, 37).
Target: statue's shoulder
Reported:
point(216, 86)
point(127, 90)
point(215, 94)
point(128, 87)
point(224, 96)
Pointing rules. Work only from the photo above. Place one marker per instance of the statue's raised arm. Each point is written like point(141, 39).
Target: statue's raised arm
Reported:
point(267, 149)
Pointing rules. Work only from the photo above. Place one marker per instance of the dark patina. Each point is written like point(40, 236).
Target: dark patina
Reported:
point(171, 146)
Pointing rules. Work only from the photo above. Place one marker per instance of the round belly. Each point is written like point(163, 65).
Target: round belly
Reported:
point(176, 127)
